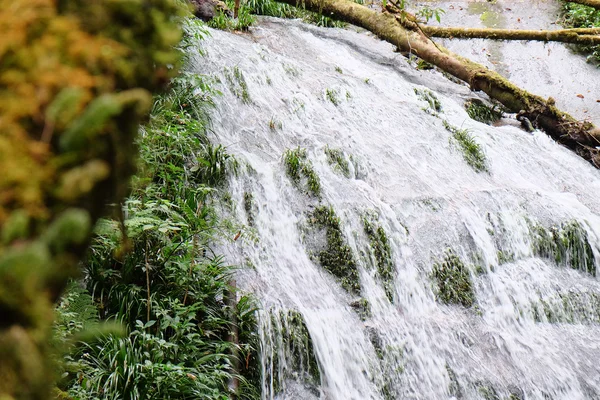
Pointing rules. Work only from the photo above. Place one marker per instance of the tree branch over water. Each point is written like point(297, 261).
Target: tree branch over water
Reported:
point(579, 136)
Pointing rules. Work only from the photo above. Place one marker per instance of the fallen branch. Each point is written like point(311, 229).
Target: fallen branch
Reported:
point(579, 136)
point(562, 35)
point(589, 3)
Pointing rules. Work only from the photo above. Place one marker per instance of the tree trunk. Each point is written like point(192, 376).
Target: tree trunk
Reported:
point(589, 3)
point(233, 338)
point(577, 135)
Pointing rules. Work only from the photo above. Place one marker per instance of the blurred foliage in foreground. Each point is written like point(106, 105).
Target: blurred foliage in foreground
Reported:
point(76, 79)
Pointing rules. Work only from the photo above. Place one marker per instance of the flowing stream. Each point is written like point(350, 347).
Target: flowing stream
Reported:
point(519, 227)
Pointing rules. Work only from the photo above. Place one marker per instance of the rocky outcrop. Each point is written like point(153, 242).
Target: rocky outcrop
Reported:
point(208, 9)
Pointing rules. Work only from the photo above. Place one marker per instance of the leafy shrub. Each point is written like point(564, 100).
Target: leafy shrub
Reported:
point(154, 272)
point(580, 16)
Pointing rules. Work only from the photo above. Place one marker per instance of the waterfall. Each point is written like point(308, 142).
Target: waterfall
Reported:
point(383, 197)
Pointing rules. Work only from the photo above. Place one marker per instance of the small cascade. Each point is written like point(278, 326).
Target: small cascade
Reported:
point(388, 265)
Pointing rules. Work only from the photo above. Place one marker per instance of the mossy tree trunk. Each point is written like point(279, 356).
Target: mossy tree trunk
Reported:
point(577, 135)
point(76, 80)
point(589, 3)
point(576, 36)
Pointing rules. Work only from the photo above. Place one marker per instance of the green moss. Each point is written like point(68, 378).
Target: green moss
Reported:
point(382, 252)
point(300, 170)
point(292, 340)
point(333, 96)
point(568, 307)
point(335, 158)
point(423, 65)
point(488, 392)
point(237, 83)
point(566, 244)
point(249, 207)
point(453, 281)
point(376, 341)
point(337, 256)
point(433, 104)
point(472, 151)
point(505, 256)
point(362, 307)
point(479, 111)
point(454, 387)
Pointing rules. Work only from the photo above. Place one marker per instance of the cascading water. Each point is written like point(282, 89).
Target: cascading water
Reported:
point(398, 204)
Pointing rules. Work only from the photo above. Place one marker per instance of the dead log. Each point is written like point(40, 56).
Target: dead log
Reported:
point(576, 135)
point(562, 35)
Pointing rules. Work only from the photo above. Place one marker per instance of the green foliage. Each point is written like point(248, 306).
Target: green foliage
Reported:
point(481, 112)
point(472, 152)
point(433, 104)
point(336, 158)
point(333, 96)
point(274, 9)
point(337, 256)
point(299, 169)
point(382, 252)
point(152, 273)
point(243, 22)
point(566, 244)
point(423, 65)
point(427, 13)
point(580, 16)
point(237, 83)
point(75, 312)
point(453, 281)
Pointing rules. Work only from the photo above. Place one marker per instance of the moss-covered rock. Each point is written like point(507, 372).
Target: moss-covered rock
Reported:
point(336, 257)
point(567, 244)
point(382, 253)
point(292, 354)
point(453, 281)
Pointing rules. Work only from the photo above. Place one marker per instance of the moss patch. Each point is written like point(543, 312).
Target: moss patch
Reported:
point(249, 207)
point(339, 163)
point(479, 111)
point(333, 95)
point(433, 103)
point(337, 256)
point(453, 281)
point(293, 343)
point(566, 244)
point(237, 83)
point(382, 253)
point(301, 172)
point(471, 150)
point(362, 307)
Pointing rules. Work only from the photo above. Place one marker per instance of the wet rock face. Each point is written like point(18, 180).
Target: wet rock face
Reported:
point(208, 9)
